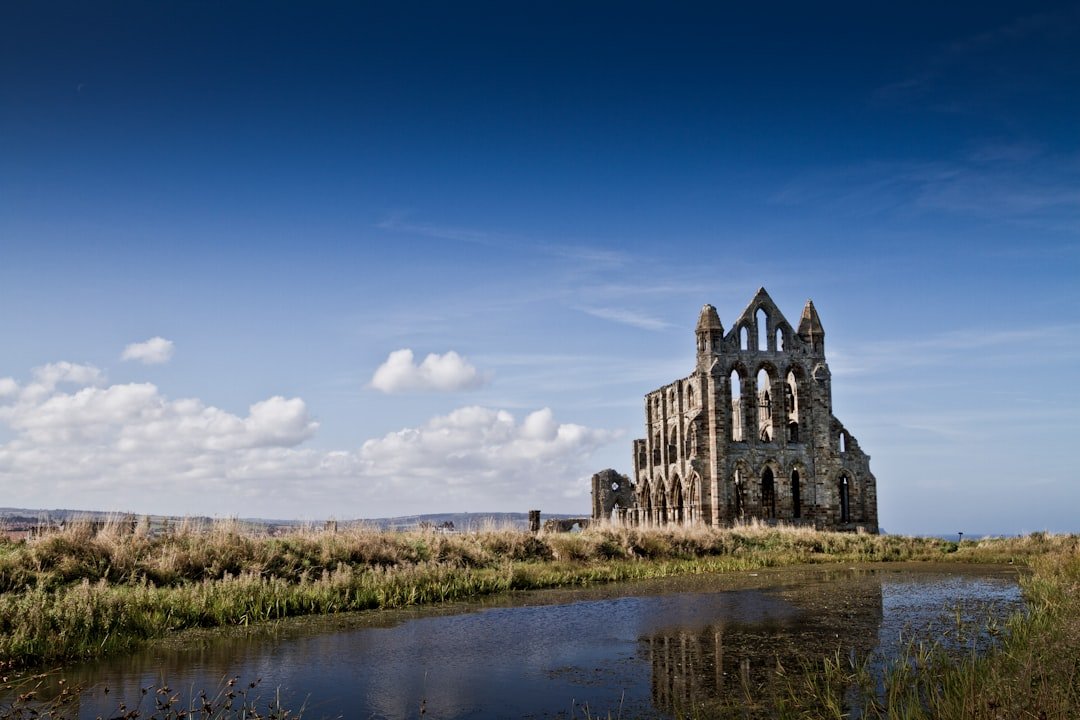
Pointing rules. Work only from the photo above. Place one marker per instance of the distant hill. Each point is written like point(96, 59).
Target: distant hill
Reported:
point(462, 521)
point(25, 517)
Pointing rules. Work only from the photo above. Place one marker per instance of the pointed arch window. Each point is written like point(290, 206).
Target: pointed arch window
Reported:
point(737, 434)
point(738, 500)
point(761, 319)
point(764, 403)
point(646, 495)
point(796, 495)
point(791, 406)
point(693, 499)
point(677, 508)
point(845, 497)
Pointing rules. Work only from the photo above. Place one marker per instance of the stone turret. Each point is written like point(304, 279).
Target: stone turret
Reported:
point(710, 335)
point(810, 329)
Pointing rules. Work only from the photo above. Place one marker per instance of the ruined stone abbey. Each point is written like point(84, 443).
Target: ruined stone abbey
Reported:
point(750, 433)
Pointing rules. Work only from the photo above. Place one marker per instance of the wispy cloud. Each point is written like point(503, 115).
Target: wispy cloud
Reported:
point(578, 252)
point(1006, 151)
point(984, 60)
point(1008, 182)
point(1022, 28)
point(588, 254)
point(628, 317)
point(400, 224)
point(971, 347)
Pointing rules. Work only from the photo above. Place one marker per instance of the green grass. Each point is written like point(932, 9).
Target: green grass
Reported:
point(75, 594)
point(1033, 673)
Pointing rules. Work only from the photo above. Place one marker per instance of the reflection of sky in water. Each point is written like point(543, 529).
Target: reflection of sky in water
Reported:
point(536, 660)
point(511, 661)
point(928, 611)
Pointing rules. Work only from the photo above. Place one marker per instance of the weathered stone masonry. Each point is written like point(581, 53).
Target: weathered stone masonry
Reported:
point(749, 433)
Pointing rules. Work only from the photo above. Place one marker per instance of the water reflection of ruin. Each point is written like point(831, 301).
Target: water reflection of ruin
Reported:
point(717, 667)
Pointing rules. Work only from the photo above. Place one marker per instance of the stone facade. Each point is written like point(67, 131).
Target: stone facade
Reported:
point(748, 434)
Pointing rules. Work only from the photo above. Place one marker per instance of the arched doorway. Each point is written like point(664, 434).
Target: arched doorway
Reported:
point(677, 509)
point(768, 494)
point(796, 495)
point(661, 502)
point(646, 504)
point(739, 501)
point(693, 504)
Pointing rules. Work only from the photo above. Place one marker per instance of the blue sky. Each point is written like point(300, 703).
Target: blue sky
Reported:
point(541, 197)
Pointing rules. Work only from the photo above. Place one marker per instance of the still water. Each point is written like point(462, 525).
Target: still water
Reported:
point(642, 649)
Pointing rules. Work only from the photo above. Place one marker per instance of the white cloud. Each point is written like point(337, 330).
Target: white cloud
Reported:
point(130, 447)
point(137, 417)
point(447, 372)
point(155, 351)
point(484, 456)
point(46, 378)
point(53, 374)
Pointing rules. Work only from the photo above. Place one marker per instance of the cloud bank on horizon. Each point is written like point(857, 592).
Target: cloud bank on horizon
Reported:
point(127, 446)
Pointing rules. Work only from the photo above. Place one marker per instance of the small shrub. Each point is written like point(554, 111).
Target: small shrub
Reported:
point(575, 547)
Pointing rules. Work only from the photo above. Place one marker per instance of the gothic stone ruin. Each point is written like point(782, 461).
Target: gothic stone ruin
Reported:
point(750, 433)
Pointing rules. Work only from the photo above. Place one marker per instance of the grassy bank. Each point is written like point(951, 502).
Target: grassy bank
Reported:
point(1034, 672)
point(77, 594)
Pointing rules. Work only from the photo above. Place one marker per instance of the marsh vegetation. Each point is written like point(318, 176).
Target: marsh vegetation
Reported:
point(84, 592)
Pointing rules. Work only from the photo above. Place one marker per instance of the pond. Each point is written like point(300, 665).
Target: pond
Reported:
point(641, 649)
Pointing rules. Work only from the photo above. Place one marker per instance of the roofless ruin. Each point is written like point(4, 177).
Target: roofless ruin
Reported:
point(750, 433)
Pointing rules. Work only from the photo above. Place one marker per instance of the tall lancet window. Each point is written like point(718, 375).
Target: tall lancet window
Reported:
point(762, 322)
point(736, 408)
point(764, 403)
point(791, 406)
point(845, 509)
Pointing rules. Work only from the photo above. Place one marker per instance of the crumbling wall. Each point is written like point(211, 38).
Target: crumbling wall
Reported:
point(611, 492)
